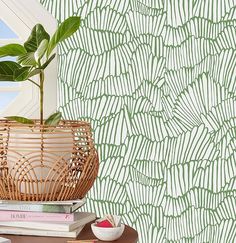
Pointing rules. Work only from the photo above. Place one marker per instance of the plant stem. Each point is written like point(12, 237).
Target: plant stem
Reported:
point(32, 81)
point(41, 76)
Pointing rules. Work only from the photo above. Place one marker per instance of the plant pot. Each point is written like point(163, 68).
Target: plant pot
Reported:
point(46, 163)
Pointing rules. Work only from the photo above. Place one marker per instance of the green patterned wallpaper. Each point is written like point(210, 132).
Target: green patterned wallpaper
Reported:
point(157, 81)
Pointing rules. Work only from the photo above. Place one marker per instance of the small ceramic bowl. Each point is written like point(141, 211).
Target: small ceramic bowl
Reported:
point(107, 234)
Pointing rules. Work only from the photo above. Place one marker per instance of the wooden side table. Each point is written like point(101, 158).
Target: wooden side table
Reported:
point(129, 236)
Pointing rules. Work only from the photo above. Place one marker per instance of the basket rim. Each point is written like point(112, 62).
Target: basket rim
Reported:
point(62, 124)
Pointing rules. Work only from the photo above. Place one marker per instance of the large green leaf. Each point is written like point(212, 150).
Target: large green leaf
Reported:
point(7, 70)
point(21, 74)
point(27, 59)
point(54, 119)
point(38, 34)
point(12, 50)
point(20, 119)
point(41, 50)
point(65, 30)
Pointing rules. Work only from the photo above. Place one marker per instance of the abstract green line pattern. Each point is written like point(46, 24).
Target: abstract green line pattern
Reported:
point(157, 81)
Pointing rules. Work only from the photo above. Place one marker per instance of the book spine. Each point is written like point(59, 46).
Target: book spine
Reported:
point(36, 208)
point(34, 216)
point(20, 231)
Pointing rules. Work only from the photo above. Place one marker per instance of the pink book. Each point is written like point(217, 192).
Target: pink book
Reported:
point(37, 216)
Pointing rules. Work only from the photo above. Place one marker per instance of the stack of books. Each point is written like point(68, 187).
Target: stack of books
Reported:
point(56, 218)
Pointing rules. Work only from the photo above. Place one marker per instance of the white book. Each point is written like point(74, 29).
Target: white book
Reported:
point(83, 218)
point(41, 206)
point(22, 231)
point(67, 202)
point(4, 240)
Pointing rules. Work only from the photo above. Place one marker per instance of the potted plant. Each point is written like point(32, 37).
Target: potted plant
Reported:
point(43, 159)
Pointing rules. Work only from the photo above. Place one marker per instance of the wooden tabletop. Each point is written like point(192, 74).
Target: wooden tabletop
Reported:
point(129, 236)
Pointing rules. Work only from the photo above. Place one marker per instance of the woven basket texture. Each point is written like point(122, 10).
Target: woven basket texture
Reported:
point(41, 163)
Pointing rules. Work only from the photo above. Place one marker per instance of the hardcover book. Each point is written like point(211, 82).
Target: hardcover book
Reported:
point(66, 202)
point(38, 206)
point(38, 216)
point(84, 218)
point(24, 231)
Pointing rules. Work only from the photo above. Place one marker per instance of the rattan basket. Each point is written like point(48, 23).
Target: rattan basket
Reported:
point(41, 163)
